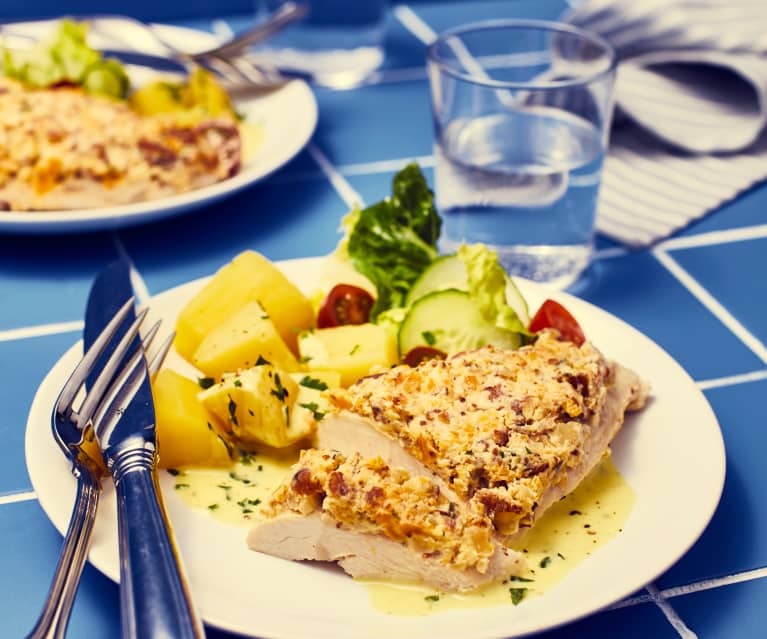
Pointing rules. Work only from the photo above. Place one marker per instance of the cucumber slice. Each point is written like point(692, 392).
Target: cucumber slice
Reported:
point(449, 321)
point(445, 272)
point(449, 271)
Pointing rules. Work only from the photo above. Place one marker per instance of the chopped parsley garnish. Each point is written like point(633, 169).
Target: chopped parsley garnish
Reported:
point(180, 486)
point(213, 507)
point(522, 579)
point(279, 391)
point(431, 598)
point(545, 562)
point(517, 594)
point(261, 361)
point(237, 383)
point(354, 349)
point(232, 411)
point(206, 382)
point(174, 471)
point(313, 408)
point(305, 359)
point(313, 382)
point(429, 338)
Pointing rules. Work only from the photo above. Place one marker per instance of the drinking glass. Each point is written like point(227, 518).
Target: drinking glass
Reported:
point(522, 112)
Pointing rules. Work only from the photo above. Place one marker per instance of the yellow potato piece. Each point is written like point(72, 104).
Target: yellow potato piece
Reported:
point(255, 407)
point(185, 432)
point(239, 341)
point(351, 350)
point(311, 405)
point(248, 277)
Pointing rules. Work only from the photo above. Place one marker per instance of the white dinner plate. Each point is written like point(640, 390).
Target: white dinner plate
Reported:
point(288, 116)
point(671, 453)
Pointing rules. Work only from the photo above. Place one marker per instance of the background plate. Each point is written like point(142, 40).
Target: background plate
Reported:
point(288, 116)
point(671, 453)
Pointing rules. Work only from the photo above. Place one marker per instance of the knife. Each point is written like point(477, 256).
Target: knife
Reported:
point(154, 595)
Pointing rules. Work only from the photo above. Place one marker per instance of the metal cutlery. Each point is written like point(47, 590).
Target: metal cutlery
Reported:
point(227, 60)
point(155, 598)
point(109, 332)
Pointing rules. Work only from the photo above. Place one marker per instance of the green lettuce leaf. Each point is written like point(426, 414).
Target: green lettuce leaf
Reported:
point(66, 57)
point(488, 284)
point(393, 241)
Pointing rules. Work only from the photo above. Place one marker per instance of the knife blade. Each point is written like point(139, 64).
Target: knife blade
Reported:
point(109, 292)
point(154, 595)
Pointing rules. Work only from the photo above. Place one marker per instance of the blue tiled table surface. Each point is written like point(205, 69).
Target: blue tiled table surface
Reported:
point(701, 295)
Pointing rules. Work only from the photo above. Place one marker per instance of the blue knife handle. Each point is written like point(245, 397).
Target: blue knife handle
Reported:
point(155, 599)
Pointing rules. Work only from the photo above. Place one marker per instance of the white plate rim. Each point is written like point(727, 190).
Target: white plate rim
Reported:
point(48, 470)
point(295, 103)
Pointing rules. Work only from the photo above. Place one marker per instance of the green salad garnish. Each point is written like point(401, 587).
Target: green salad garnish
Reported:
point(66, 58)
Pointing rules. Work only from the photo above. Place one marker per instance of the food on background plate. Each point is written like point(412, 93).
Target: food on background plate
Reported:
point(438, 422)
point(73, 136)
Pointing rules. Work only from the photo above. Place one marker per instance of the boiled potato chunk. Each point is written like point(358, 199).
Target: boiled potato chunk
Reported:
point(351, 350)
point(239, 341)
point(248, 277)
point(311, 405)
point(255, 406)
point(185, 432)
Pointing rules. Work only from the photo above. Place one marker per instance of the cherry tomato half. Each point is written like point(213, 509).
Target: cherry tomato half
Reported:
point(422, 353)
point(552, 314)
point(345, 304)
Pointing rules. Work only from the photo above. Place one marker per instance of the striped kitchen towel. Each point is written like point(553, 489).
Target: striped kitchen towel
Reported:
point(690, 130)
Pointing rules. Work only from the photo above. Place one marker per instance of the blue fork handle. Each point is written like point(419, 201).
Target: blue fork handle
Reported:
point(154, 597)
point(54, 618)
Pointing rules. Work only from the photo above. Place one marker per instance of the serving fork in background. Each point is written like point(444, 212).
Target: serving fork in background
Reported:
point(73, 418)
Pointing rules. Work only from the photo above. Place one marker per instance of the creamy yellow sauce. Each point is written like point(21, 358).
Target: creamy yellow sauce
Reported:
point(234, 494)
point(567, 534)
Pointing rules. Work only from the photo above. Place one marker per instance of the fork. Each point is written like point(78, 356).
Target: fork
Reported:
point(73, 430)
point(226, 60)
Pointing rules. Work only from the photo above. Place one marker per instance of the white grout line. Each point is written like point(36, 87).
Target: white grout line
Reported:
point(39, 331)
point(17, 497)
point(715, 237)
point(345, 190)
point(139, 285)
point(708, 584)
point(732, 380)
point(413, 23)
point(708, 300)
point(673, 618)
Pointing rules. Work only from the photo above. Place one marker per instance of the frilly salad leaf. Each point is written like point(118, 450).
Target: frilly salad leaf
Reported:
point(489, 285)
point(66, 57)
point(393, 241)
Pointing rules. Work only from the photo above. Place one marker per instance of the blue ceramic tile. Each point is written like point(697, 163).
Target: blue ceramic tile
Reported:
point(440, 16)
point(639, 290)
point(729, 612)
point(23, 365)
point(29, 547)
point(640, 621)
point(281, 219)
point(377, 122)
point(46, 279)
point(727, 272)
point(736, 538)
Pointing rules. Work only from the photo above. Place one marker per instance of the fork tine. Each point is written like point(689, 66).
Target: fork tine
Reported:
point(102, 420)
point(107, 373)
point(78, 376)
point(159, 356)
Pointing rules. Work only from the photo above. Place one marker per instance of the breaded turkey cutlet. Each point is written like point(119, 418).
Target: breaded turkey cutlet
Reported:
point(489, 435)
